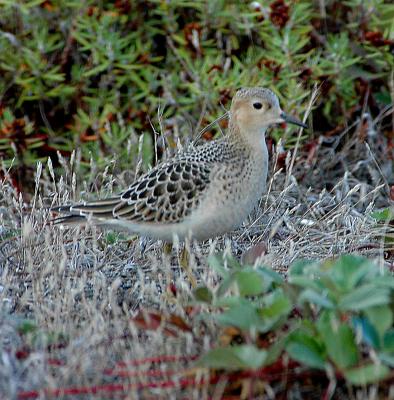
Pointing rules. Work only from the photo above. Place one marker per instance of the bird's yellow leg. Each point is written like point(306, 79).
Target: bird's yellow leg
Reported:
point(167, 248)
point(184, 262)
point(184, 259)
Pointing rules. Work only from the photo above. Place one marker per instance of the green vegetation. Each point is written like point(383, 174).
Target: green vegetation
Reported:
point(94, 75)
point(336, 316)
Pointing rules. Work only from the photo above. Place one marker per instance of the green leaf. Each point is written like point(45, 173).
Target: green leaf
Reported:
point(243, 316)
point(234, 357)
point(113, 237)
point(369, 334)
point(365, 296)
point(216, 263)
point(339, 340)
point(300, 267)
point(385, 215)
point(387, 359)
point(275, 351)
point(96, 70)
point(384, 98)
point(388, 340)
point(305, 349)
point(27, 326)
point(270, 275)
point(306, 282)
point(276, 304)
point(349, 270)
point(367, 374)
point(225, 285)
point(203, 294)
point(385, 279)
point(230, 301)
point(232, 262)
point(249, 282)
point(381, 318)
point(316, 298)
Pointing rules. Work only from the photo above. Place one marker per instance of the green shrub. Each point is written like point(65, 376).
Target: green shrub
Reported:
point(335, 315)
point(92, 74)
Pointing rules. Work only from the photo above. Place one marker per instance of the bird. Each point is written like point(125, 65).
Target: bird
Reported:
point(204, 191)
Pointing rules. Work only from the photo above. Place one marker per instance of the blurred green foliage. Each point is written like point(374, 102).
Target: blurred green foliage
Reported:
point(99, 74)
point(335, 315)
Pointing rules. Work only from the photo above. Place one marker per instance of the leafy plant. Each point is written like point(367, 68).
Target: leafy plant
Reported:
point(334, 315)
point(94, 74)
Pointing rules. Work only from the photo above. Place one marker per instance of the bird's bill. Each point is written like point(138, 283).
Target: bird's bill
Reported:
point(291, 120)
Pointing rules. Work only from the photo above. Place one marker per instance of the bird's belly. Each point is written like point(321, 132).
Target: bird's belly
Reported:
point(218, 221)
point(227, 211)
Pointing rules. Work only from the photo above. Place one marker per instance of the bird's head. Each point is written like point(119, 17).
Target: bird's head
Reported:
point(253, 110)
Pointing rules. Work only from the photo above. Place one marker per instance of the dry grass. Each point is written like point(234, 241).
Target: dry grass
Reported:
point(82, 287)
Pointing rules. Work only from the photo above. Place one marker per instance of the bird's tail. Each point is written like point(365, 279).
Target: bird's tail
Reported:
point(69, 220)
point(79, 213)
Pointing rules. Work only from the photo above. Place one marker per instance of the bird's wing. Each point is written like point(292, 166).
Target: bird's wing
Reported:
point(166, 194)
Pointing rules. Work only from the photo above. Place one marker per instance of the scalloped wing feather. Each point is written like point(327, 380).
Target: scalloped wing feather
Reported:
point(168, 194)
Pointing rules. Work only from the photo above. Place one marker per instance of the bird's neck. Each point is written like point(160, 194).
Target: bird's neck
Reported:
point(252, 145)
point(252, 139)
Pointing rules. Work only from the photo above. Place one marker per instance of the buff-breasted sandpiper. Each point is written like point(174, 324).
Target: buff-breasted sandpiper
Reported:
point(202, 192)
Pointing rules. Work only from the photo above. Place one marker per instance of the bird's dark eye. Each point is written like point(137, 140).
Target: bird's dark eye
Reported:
point(257, 106)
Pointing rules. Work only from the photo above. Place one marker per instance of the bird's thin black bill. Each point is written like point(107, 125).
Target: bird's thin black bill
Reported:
point(291, 120)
